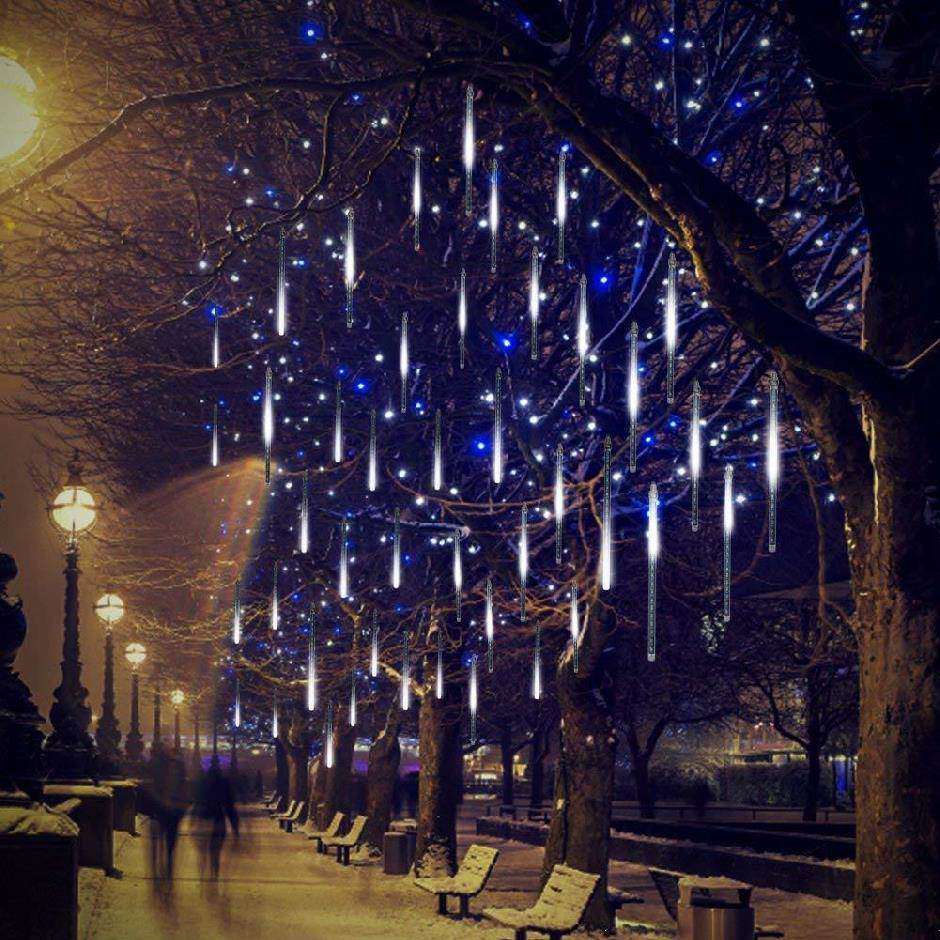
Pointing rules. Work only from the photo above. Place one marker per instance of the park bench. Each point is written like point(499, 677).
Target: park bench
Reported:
point(559, 907)
point(537, 814)
point(286, 820)
point(351, 840)
point(331, 831)
point(468, 882)
point(667, 884)
point(291, 806)
point(507, 809)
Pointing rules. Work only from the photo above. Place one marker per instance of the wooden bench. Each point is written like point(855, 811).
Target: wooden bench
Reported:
point(468, 882)
point(559, 907)
point(536, 814)
point(351, 840)
point(331, 831)
point(507, 809)
point(286, 820)
point(667, 884)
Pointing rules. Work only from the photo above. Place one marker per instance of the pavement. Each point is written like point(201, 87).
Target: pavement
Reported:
point(272, 884)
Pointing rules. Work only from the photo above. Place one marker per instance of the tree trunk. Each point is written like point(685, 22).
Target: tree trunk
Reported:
point(316, 791)
point(337, 796)
point(282, 788)
point(579, 834)
point(298, 752)
point(537, 771)
point(439, 782)
point(644, 789)
point(384, 760)
point(813, 776)
point(507, 793)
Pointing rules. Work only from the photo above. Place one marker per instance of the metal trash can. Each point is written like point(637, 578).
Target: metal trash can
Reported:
point(722, 922)
point(395, 853)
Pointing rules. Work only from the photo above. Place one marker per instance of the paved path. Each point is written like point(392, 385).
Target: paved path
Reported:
point(273, 885)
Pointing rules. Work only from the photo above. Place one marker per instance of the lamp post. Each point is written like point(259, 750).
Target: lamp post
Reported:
point(135, 654)
point(110, 609)
point(156, 745)
point(177, 697)
point(17, 105)
point(70, 751)
point(197, 747)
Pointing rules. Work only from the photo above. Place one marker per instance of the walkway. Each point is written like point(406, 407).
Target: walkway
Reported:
point(274, 885)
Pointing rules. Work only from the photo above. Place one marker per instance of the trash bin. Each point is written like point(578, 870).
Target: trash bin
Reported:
point(395, 853)
point(720, 922)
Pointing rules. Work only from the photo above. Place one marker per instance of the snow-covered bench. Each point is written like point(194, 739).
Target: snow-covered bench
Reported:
point(468, 882)
point(287, 820)
point(331, 831)
point(559, 907)
point(351, 840)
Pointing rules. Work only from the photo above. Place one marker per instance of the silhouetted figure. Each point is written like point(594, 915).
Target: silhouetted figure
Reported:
point(259, 785)
point(217, 805)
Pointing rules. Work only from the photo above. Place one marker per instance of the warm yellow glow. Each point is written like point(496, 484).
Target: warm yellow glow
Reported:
point(135, 654)
point(110, 608)
point(177, 697)
point(73, 510)
point(18, 116)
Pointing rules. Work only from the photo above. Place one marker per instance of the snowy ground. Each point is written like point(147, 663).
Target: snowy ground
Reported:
point(274, 885)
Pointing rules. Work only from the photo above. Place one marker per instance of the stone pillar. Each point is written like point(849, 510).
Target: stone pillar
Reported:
point(108, 733)
point(70, 751)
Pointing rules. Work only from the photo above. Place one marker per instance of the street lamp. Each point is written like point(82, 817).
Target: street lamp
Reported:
point(69, 748)
point(135, 654)
point(17, 106)
point(177, 697)
point(110, 609)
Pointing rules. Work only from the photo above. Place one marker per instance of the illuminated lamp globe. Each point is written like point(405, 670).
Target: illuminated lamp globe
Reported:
point(135, 654)
point(74, 510)
point(18, 116)
point(177, 697)
point(110, 609)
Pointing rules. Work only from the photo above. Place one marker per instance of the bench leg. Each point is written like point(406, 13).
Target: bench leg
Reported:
point(442, 904)
point(520, 933)
point(464, 905)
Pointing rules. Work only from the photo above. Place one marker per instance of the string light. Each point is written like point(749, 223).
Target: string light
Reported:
point(633, 394)
point(437, 460)
point(472, 696)
point(561, 204)
point(403, 362)
point(494, 214)
point(237, 614)
point(372, 471)
point(303, 543)
point(405, 689)
point(349, 264)
point(462, 318)
point(575, 625)
point(275, 611)
point(416, 198)
point(773, 461)
point(728, 528)
point(498, 429)
point(439, 672)
point(652, 552)
point(267, 423)
point(312, 668)
point(328, 738)
point(584, 336)
point(338, 426)
point(396, 551)
point(281, 315)
point(671, 327)
point(374, 652)
point(489, 624)
point(537, 666)
point(523, 558)
point(607, 528)
point(469, 150)
point(695, 449)
point(559, 502)
point(343, 562)
point(458, 575)
point(214, 450)
point(534, 304)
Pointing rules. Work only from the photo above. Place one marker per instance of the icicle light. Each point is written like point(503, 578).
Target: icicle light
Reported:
point(652, 554)
point(559, 502)
point(328, 738)
point(214, 450)
point(338, 426)
point(437, 459)
point(469, 150)
point(349, 264)
point(267, 423)
point(472, 698)
point(773, 460)
point(534, 304)
point(303, 539)
point(343, 561)
point(633, 393)
point(439, 669)
point(372, 470)
point(237, 613)
point(607, 528)
point(374, 650)
point(695, 449)
point(671, 327)
point(584, 336)
point(312, 669)
point(498, 429)
point(281, 310)
point(237, 718)
point(523, 558)
point(458, 576)
point(489, 624)
point(561, 204)
point(416, 198)
point(275, 723)
point(216, 343)
point(405, 690)
point(352, 700)
point(575, 626)
point(403, 362)
point(274, 613)
point(396, 551)
point(462, 318)
point(537, 666)
point(494, 214)
point(727, 519)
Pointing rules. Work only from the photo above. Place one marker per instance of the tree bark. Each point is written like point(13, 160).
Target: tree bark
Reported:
point(813, 776)
point(337, 795)
point(644, 789)
point(382, 777)
point(507, 791)
point(537, 771)
point(579, 834)
point(439, 782)
point(316, 791)
point(298, 751)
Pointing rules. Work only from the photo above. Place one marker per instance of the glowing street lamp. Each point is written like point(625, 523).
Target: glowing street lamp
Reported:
point(135, 654)
point(177, 697)
point(110, 609)
point(17, 106)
